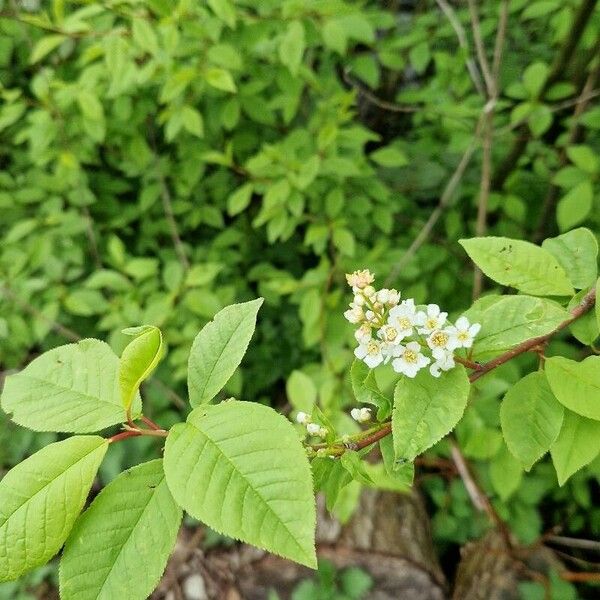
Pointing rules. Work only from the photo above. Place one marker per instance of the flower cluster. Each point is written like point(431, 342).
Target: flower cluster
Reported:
point(311, 428)
point(398, 331)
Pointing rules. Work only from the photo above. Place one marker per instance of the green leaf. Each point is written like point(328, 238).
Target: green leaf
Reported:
point(389, 156)
point(584, 158)
point(509, 320)
point(505, 474)
point(576, 446)
point(291, 48)
point(577, 253)
point(220, 79)
point(144, 36)
point(130, 530)
point(426, 409)
point(40, 500)
point(576, 384)
point(192, 121)
point(240, 468)
point(519, 264)
point(219, 348)
point(72, 388)
point(225, 10)
point(575, 207)
point(534, 78)
point(366, 390)
point(138, 360)
point(330, 477)
point(531, 418)
point(301, 391)
point(240, 199)
point(46, 45)
point(585, 328)
point(352, 462)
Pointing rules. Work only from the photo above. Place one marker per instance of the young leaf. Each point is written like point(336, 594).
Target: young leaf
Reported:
point(72, 388)
point(576, 384)
point(301, 391)
point(291, 47)
point(576, 446)
point(138, 360)
point(366, 390)
point(330, 477)
point(577, 253)
point(352, 462)
point(531, 418)
point(219, 348)
point(240, 468)
point(519, 264)
point(40, 500)
point(130, 530)
point(426, 409)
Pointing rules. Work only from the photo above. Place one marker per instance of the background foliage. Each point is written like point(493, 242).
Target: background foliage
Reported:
point(159, 161)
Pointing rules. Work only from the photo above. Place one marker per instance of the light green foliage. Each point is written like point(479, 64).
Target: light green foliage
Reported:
point(576, 446)
point(426, 409)
point(301, 391)
point(531, 418)
point(576, 384)
point(509, 320)
point(239, 467)
point(505, 473)
point(218, 350)
point(366, 390)
point(577, 253)
point(41, 498)
point(519, 264)
point(585, 328)
point(119, 547)
point(73, 388)
point(138, 360)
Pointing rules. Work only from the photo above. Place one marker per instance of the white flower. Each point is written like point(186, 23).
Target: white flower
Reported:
point(409, 359)
point(362, 415)
point(354, 315)
point(370, 293)
point(363, 333)
point(403, 317)
point(360, 279)
point(302, 418)
point(393, 298)
point(316, 429)
point(389, 334)
point(370, 352)
point(440, 339)
point(431, 320)
point(463, 333)
point(444, 361)
point(359, 300)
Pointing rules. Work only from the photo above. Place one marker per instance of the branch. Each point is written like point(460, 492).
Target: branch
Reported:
point(488, 135)
point(462, 42)
point(438, 211)
point(372, 436)
point(585, 305)
point(168, 209)
point(480, 49)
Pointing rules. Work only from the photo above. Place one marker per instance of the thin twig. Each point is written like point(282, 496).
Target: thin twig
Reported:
point(478, 497)
point(389, 106)
point(91, 235)
point(438, 211)
point(23, 305)
point(480, 50)
point(170, 216)
point(573, 542)
point(462, 42)
point(488, 136)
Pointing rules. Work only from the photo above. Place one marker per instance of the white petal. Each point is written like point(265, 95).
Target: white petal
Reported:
point(434, 369)
point(398, 365)
point(360, 351)
point(414, 346)
point(423, 361)
point(433, 310)
point(373, 360)
point(474, 329)
point(462, 323)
